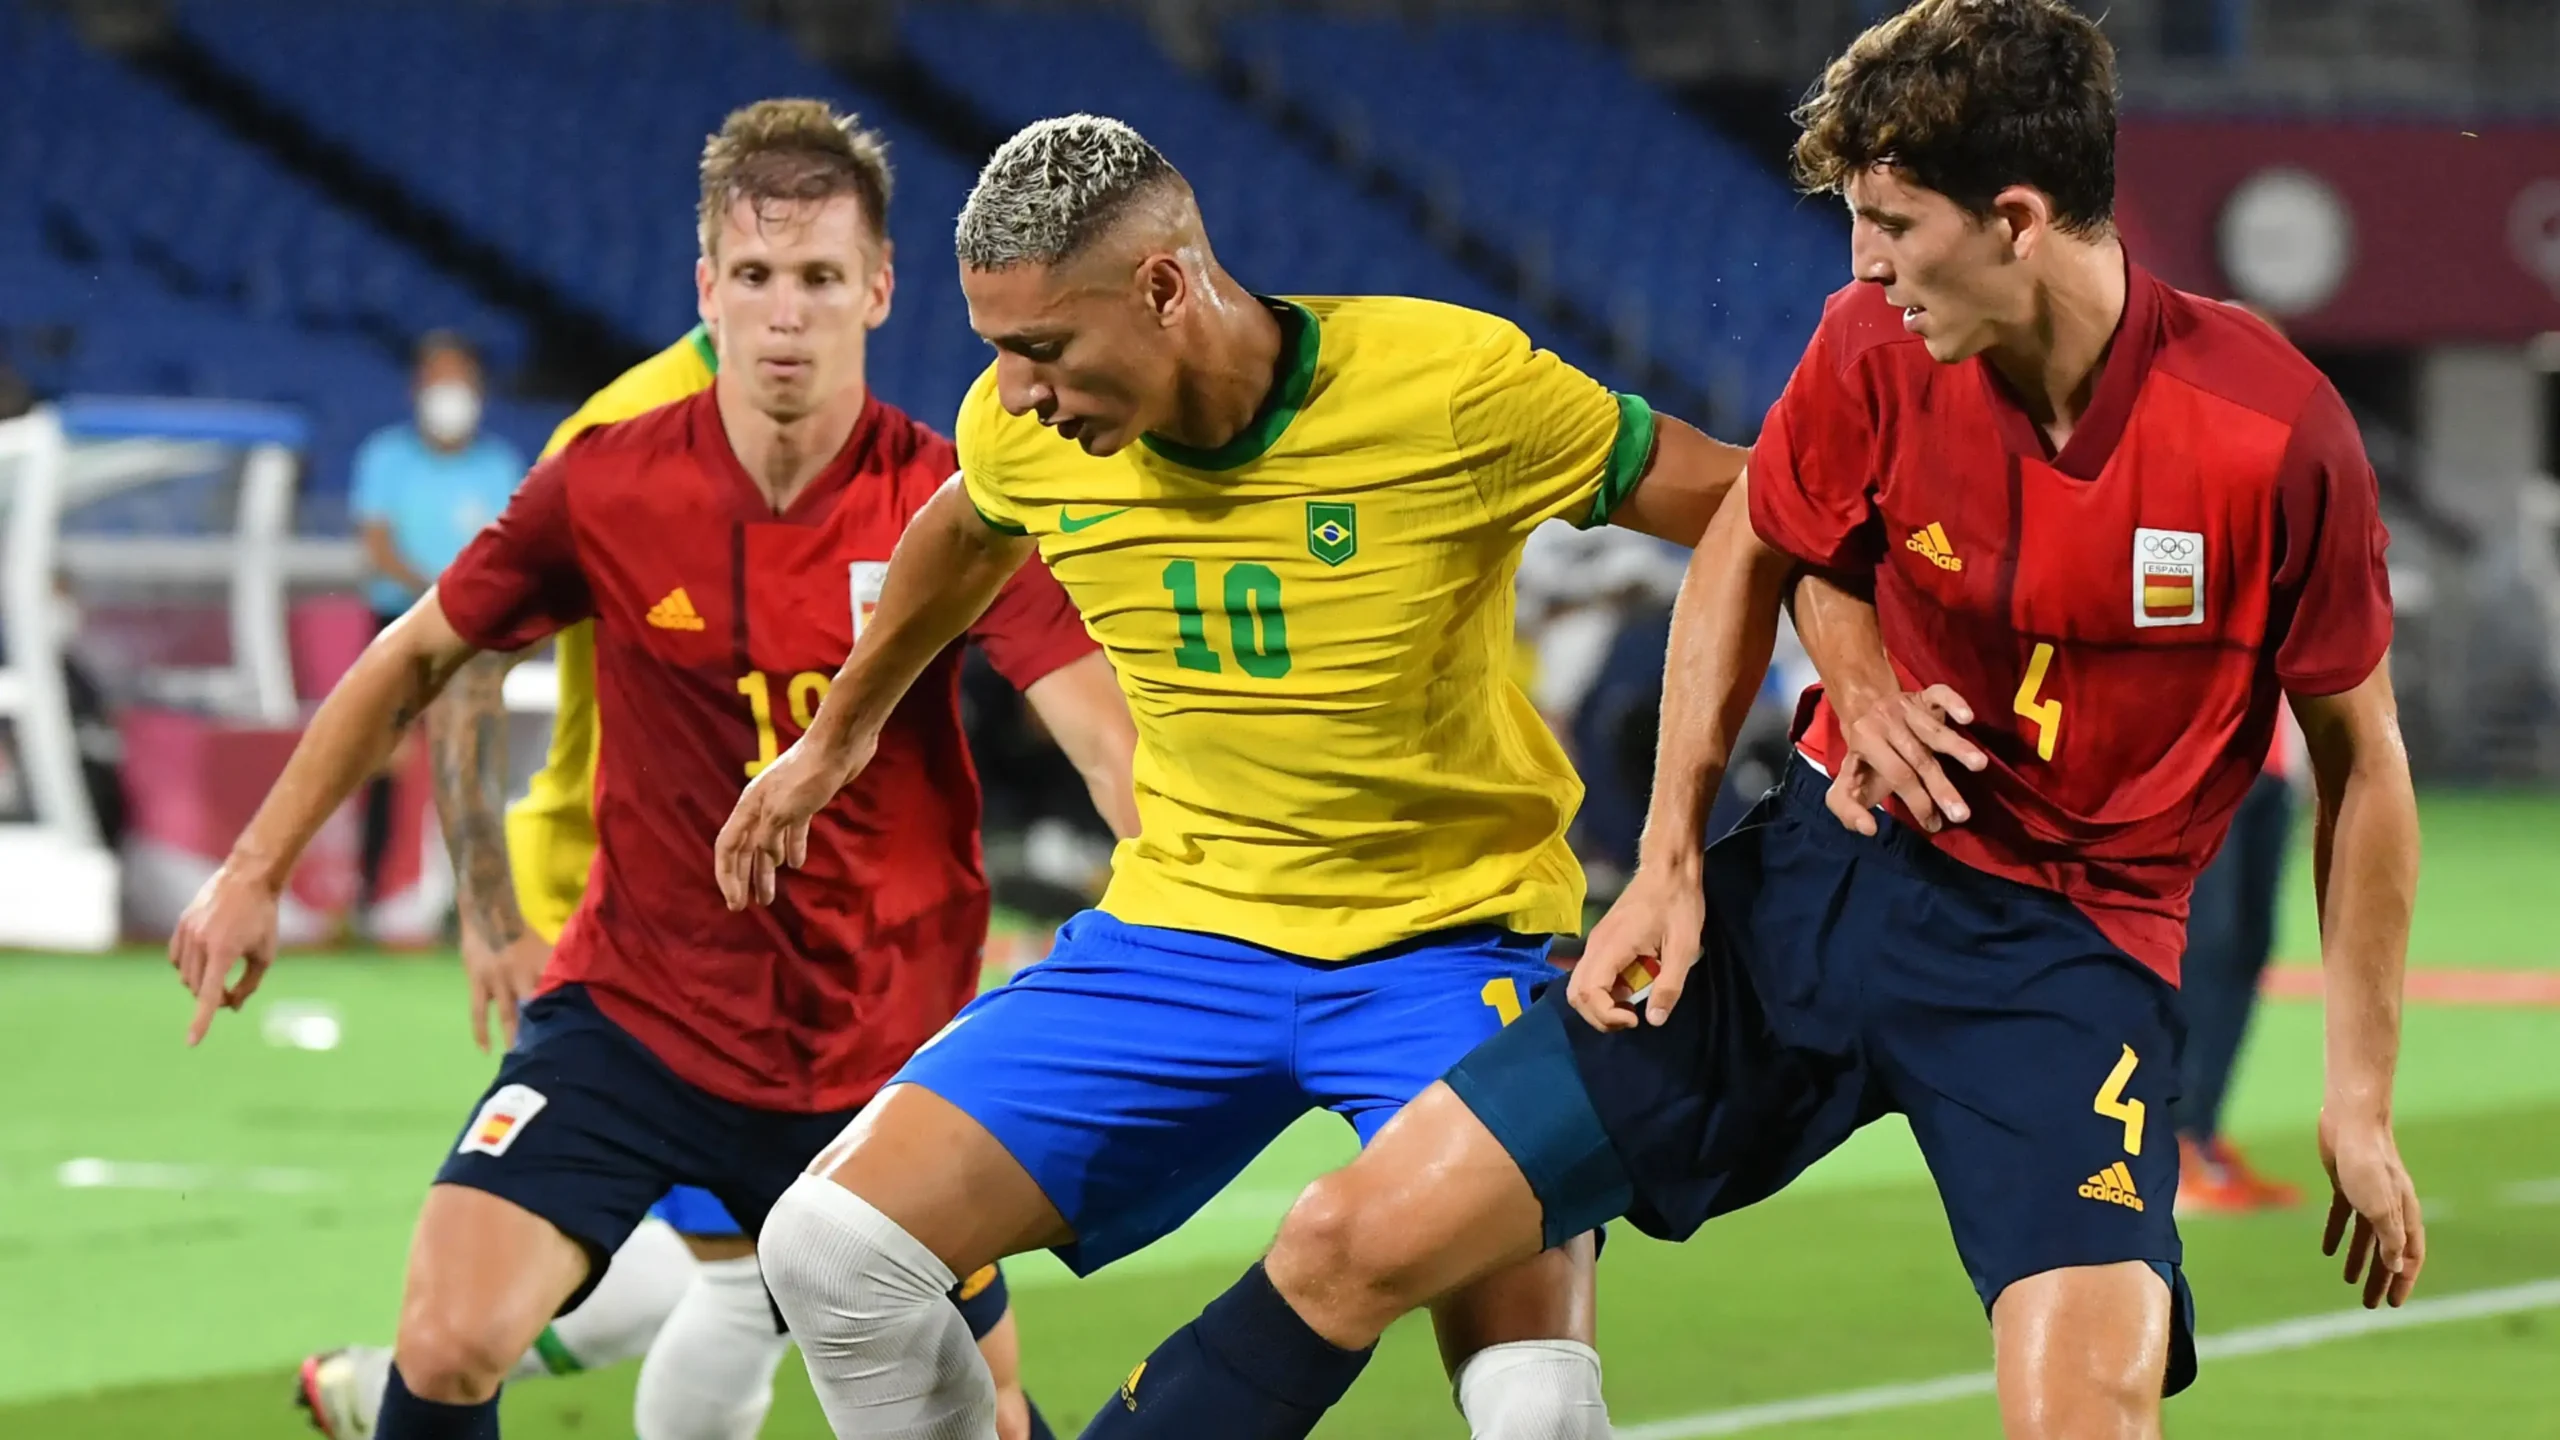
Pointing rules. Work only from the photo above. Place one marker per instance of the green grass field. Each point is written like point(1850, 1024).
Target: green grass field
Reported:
point(177, 1229)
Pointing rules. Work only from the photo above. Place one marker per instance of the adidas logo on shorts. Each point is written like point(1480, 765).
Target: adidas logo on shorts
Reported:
point(2113, 1185)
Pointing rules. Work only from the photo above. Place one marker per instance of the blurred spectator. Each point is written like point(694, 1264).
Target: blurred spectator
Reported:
point(2231, 931)
point(422, 488)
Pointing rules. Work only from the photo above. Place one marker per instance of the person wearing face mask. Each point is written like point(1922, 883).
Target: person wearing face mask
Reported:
point(421, 489)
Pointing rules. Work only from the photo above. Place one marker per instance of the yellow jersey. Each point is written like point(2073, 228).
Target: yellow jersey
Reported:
point(1313, 626)
point(551, 832)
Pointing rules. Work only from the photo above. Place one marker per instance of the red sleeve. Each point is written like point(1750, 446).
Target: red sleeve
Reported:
point(1031, 629)
point(1812, 470)
point(2332, 589)
point(518, 580)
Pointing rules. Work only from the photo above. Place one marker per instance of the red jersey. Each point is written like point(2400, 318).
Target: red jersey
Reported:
point(2123, 616)
point(718, 627)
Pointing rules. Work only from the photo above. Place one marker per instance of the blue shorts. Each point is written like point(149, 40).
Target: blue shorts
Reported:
point(587, 1129)
point(1846, 978)
point(692, 1211)
point(1136, 1070)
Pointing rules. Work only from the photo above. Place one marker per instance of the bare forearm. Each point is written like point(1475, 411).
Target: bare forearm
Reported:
point(466, 731)
point(349, 739)
point(1844, 643)
point(1722, 630)
point(2365, 859)
point(944, 574)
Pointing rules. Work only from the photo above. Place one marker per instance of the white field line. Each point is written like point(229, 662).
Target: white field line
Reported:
point(2298, 1334)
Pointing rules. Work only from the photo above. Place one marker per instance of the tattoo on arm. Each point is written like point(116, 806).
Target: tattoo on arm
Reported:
point(467, 731)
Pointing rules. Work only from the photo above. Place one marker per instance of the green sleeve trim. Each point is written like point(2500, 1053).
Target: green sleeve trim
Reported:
point(700, 338)
point(992, 522)
point(1629, 456)
point(555, 1354)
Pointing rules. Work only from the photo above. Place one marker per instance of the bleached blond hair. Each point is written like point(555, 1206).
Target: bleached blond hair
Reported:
point(1048, 192)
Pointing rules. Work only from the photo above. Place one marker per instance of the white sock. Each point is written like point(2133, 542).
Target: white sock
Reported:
point(887, 1351)
point(709, 1374)
point(618, 1319)
point(373, 1376)
point(1533, 1390)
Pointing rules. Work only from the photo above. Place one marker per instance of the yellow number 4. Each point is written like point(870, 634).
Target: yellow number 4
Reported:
point(2112, 1103)
point(2046, 713)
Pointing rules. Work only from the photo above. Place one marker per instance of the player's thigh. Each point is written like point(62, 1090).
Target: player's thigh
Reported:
point(1104, 1094)
point(1435, 1203)
point(485, 1276)
point(1553, 1295)
point(582, 1129)
point(2037, 1066)
point(2081, 1351)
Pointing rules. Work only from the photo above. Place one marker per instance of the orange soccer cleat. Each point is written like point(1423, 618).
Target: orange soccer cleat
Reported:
point(2215, 1179)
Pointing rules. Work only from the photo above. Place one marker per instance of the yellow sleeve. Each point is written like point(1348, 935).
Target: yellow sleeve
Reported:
point(975, 435)
point(1542, 439)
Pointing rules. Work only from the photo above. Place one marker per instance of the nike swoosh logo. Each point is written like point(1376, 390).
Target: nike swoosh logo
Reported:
point(1070, 524)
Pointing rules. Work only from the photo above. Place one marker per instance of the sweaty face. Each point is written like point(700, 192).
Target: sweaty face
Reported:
point(1955, 275)
point(1078, 345)
point(791, 292)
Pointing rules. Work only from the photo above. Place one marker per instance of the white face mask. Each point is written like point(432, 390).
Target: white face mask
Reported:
point(448, 412)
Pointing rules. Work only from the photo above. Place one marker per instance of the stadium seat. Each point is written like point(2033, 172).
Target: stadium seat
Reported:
point(565, 137)
point(1281, 217)
point(1543, 142)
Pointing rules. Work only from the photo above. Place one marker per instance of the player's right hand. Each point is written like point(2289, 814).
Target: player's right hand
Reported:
point(506, 977)
point(1894, 747)
point(1642, 950)
point(2369, 1184)
point(232, 919)
point(769, 828)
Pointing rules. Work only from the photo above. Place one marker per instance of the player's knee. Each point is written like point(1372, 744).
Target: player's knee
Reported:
point(2097, 1394)
point(452, 1359)
point(871, 1309)
point(1533, 1390)
point(1331, 1253)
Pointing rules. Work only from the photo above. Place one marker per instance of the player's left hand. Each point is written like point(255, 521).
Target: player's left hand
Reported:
point(1642, 950)
point(2369, 1184)
point(1893, 748)
point(232, 919)
point(769, 828)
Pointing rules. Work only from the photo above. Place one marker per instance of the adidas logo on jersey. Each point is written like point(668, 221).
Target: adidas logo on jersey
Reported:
point(676, 612)
point(2113, 1185)
point(1933, 545)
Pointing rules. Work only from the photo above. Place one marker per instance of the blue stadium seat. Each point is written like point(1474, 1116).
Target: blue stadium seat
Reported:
point(1281, 218)
point(203, 268)
point(1545, 144)
point(566, 137)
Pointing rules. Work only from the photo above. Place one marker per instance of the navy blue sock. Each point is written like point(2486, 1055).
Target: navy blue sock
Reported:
point(406, 1417)
point(1039, 1423)
point(1247, 1369)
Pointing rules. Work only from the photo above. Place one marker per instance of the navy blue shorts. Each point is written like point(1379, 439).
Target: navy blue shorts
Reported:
point(1844, 979)
point(587, 1129)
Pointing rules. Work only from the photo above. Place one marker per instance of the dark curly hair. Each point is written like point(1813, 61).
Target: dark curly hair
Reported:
point(1969, 97)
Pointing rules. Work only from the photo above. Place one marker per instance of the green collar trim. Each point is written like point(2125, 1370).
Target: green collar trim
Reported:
point(700, 339)
point(1293, 376)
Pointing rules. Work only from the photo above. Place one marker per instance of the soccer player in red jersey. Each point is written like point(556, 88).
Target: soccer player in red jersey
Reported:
point(723, 546)
point(2109, 528)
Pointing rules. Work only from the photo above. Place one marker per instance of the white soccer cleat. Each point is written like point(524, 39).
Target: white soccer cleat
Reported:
point(341, 1390)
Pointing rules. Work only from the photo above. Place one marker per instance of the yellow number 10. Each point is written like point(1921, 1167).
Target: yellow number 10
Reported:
point(2046, 713)
point(1504, 996)
point(807, 691)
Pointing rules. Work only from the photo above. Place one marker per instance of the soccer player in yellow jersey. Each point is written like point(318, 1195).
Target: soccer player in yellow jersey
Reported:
point(1293, 525)
point(701, 1318)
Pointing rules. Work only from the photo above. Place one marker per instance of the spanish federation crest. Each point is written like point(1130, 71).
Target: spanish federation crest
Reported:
point(1333, 530)
point(2168, 577)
